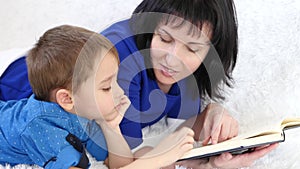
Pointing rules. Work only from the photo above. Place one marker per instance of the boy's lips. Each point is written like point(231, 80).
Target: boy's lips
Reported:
point(122, 102)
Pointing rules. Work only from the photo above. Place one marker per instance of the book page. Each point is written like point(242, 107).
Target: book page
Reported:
point(268, 127)
point(290, 123)
point(260, 128)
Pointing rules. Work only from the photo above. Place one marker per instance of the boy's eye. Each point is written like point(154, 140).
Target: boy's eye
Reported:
point(106, 89)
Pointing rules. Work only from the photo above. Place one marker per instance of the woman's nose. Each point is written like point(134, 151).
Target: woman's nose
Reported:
point(172, 56)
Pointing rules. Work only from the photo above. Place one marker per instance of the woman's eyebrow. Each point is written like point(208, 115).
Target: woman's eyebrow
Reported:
point(199, 43)
point(164, 31)
point(206, 43)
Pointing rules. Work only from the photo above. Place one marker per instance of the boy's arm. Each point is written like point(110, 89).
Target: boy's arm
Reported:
point(119, 153)
point(169, 150)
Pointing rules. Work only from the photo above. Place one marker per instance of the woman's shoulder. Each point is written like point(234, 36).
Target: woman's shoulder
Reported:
point(118, 31)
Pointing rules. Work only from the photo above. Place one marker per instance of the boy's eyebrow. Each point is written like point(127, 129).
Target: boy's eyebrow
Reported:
point(107, 78)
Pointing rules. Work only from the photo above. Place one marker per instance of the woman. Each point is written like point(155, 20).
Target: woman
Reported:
point(173, 54)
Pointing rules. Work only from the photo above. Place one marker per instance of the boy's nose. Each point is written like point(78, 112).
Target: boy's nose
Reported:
point(119, 92)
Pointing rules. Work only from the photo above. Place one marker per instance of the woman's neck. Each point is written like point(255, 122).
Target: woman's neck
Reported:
point(164, 87)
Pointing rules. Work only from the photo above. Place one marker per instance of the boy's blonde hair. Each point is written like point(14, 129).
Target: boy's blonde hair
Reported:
point(51, 63)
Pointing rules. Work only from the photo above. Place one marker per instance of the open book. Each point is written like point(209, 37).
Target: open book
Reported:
point(263, 134)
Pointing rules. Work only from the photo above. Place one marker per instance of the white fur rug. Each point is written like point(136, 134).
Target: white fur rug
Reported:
point(286, 156)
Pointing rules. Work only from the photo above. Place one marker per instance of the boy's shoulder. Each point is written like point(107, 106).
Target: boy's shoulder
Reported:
point(12, 109)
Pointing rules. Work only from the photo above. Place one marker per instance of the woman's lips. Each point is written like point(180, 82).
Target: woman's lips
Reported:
point(167, 71)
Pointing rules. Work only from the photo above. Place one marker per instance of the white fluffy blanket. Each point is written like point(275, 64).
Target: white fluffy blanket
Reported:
point(267, 74)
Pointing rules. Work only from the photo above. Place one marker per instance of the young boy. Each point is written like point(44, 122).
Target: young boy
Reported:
point(72, 72)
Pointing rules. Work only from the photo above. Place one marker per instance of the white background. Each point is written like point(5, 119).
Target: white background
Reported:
point(267, 74)
point(24, 21)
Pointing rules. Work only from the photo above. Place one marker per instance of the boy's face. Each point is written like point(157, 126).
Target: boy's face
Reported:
point(100, 97)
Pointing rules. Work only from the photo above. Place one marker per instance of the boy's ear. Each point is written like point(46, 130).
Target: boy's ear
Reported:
point(64, 99)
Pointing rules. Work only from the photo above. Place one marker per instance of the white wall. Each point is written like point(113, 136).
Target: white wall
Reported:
point(24, 21)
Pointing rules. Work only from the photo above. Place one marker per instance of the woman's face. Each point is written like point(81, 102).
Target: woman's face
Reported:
point(176, 54)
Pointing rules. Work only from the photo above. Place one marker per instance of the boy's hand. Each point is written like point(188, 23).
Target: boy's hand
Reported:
point(173, 147)
point(118, 112)
point(218, 125)
point(114, 118)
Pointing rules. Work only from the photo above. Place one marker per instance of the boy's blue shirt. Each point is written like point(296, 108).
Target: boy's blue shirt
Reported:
point(33, 132)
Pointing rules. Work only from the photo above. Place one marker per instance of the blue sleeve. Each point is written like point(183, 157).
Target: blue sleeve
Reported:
point(66, 158)
point(47, 146)
point(96, 144)
point(14, 83)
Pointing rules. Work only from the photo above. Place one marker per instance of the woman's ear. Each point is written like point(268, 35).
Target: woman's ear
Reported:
point(65, 99)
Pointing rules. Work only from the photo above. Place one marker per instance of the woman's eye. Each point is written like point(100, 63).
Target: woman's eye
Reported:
point(193, 50)
point(165, 39)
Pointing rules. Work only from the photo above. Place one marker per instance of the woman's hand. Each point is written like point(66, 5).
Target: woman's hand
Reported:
point(218, 125)
point(227, 161)
point(214, 124)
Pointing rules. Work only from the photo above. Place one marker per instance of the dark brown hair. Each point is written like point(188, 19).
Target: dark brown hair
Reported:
point(221, 16)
